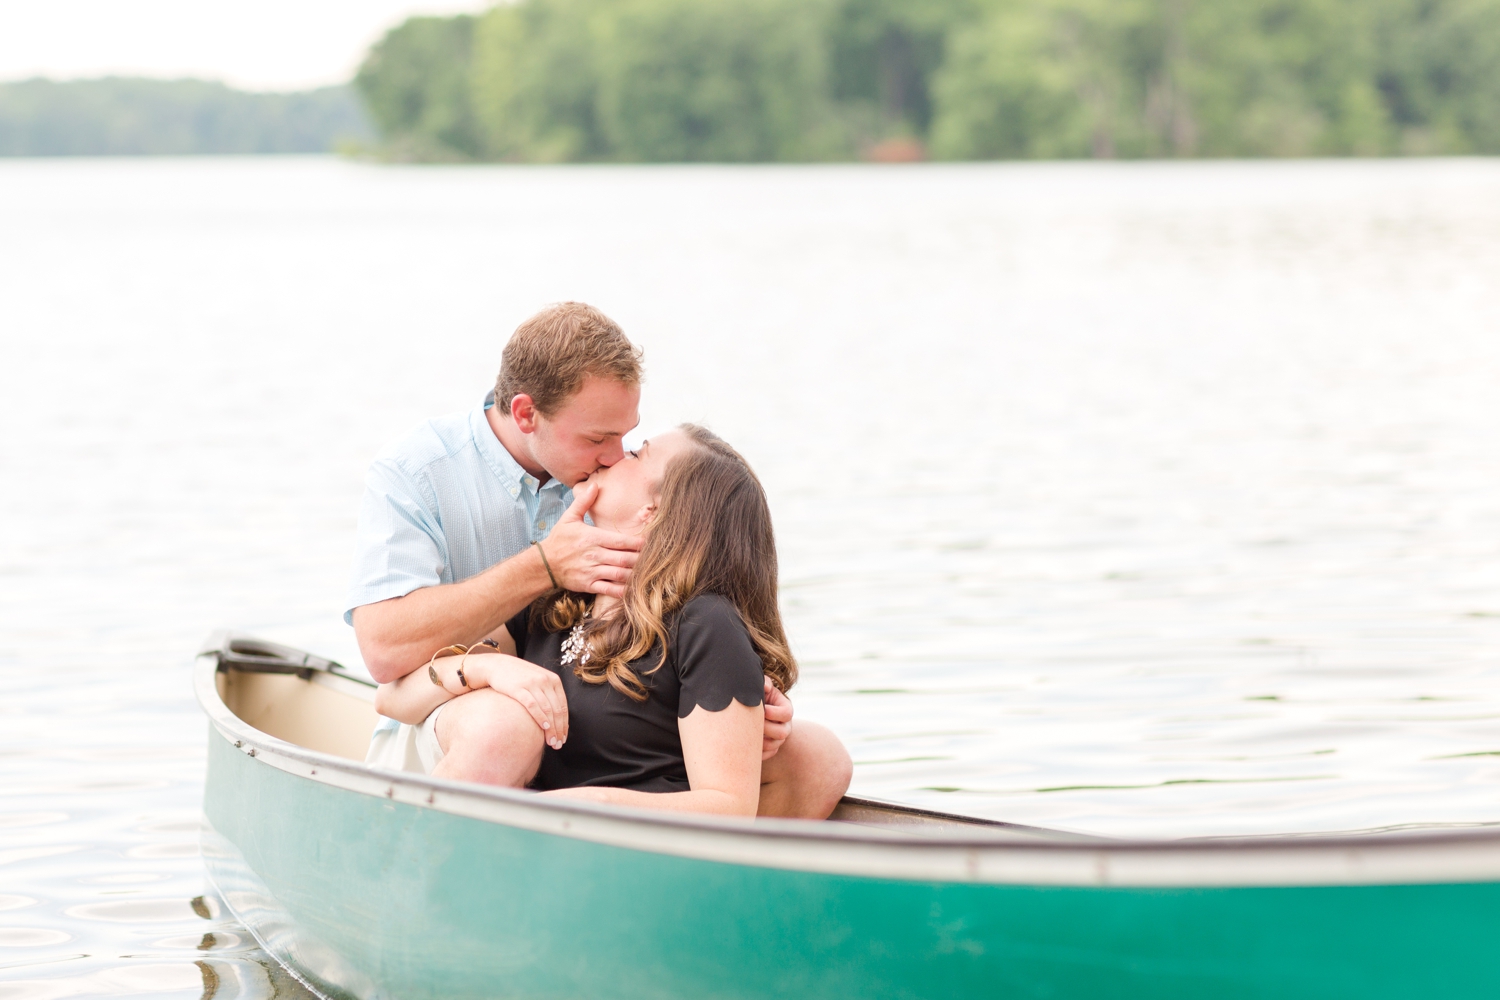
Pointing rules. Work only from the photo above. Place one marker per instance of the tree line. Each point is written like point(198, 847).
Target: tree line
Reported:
point(131, 116)
point(810, 80)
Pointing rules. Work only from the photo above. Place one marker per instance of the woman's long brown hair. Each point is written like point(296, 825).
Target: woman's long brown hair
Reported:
point(711, 535)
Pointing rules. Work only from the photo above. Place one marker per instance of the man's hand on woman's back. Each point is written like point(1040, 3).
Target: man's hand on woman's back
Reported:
point(778, 721)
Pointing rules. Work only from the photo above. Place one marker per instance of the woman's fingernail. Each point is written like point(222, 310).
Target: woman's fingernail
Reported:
point(546, 725)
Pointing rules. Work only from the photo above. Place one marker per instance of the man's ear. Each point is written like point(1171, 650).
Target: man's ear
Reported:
point(523, 412)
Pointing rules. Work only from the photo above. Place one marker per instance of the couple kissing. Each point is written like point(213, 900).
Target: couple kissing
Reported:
point(543, 609)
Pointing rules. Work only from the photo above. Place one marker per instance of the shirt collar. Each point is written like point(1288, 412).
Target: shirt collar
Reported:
point(501, 461)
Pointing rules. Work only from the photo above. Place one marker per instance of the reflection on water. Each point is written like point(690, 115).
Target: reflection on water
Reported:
point(1138, 499)
point(103, 888)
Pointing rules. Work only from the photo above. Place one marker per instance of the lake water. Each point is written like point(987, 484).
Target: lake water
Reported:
point(1146, 500)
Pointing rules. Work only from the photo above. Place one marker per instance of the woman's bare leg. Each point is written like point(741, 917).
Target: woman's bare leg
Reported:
point(489, 738)
point(807, 777)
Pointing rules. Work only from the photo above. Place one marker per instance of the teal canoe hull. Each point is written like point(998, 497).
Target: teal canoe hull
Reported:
point(370, 896)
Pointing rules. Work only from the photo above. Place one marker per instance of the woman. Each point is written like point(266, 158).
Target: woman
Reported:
point(654, 699)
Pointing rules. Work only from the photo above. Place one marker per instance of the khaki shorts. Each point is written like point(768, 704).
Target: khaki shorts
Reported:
point(408, 748)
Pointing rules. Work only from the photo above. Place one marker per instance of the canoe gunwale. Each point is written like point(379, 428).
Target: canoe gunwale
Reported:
point(991, 854)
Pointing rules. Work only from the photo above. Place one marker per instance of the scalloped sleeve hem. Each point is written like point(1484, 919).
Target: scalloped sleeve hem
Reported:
point(716, 662)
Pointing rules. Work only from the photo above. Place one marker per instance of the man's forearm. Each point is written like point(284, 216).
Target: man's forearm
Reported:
point(399, 635)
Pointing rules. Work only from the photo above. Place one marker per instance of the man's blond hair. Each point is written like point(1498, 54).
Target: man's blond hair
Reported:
point(550, 355)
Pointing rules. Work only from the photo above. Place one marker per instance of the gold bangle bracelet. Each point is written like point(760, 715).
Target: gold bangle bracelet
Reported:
point(489, 644)
point(454, 650)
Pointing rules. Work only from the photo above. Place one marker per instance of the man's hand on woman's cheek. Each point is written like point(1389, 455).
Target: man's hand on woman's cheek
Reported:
point(586, 559)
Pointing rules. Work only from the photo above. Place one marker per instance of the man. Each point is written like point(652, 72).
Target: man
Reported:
point(469, 518)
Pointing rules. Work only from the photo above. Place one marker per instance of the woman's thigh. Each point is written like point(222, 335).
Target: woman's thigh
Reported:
point(488, 737)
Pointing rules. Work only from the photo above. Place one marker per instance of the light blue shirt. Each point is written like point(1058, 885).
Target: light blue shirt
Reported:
point(443, 503)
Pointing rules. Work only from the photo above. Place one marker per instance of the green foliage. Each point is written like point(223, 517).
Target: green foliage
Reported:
point(883, 55)
point(1020, 84)
point(536, 81)
point(717, 80)
point(416, 82)
point(1438, 73)
point(653, 80)
point(1232, 78)
point(757, 80)
point(124, 116)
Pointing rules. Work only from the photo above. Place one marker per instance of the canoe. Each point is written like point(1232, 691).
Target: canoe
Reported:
point(372, 884)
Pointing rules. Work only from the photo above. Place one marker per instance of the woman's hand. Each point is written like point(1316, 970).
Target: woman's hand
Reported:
point(538, 690)
point(778, 721)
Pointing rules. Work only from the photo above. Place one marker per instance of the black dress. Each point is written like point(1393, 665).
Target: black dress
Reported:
point(620, 743)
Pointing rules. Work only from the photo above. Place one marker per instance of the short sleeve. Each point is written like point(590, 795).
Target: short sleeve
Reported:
point(400, 546)
point(715, 660)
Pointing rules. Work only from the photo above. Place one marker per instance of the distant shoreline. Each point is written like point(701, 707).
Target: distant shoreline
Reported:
point(135, 116)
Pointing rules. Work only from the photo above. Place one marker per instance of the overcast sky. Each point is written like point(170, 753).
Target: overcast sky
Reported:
point(261, 45)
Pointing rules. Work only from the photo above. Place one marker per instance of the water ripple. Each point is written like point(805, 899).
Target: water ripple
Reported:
point(1149, 499)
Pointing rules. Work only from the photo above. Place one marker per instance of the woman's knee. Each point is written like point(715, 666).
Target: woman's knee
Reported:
point(826, 762)
point(487, 736)
point(808, 776)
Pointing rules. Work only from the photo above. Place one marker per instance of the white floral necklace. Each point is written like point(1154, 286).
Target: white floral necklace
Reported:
point(575, 645)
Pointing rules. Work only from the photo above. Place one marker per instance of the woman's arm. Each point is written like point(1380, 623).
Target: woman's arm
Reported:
point(411, 699)
point(722, 752)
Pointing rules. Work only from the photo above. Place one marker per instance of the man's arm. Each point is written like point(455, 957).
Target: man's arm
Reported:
point(397, 636)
